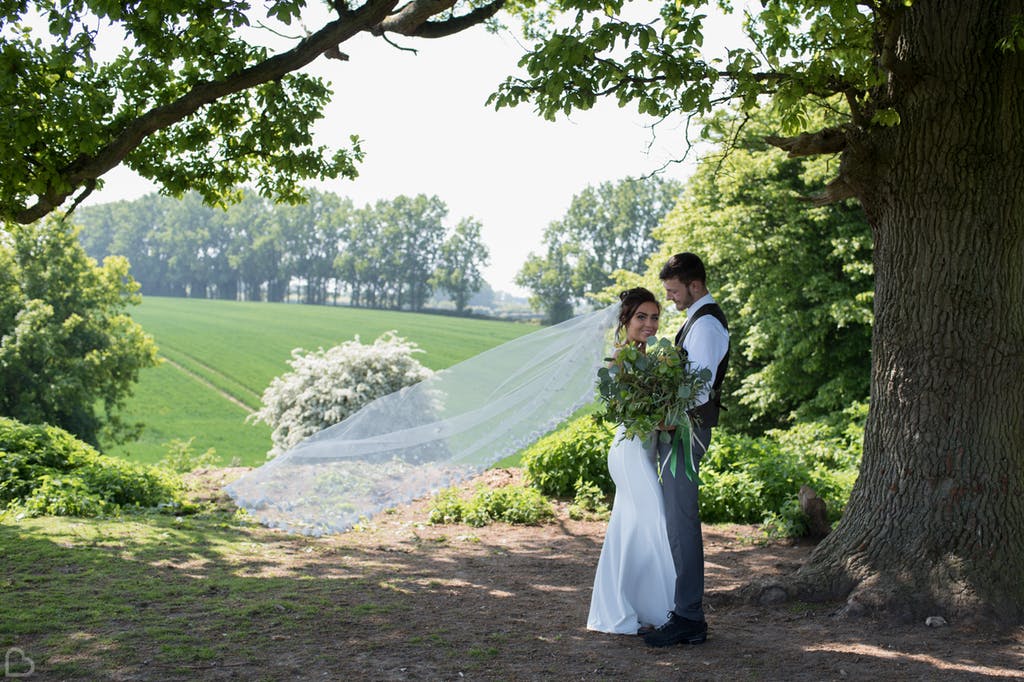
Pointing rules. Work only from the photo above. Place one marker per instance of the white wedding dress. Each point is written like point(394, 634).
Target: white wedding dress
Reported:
point(635, 578)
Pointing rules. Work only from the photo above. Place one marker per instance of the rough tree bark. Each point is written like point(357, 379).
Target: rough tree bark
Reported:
point(935, 524)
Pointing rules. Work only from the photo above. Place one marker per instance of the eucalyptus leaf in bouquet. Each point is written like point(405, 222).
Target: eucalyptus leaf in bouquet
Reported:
point(651, 386)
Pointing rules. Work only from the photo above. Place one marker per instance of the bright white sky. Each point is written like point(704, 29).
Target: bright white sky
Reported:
point(425, 129)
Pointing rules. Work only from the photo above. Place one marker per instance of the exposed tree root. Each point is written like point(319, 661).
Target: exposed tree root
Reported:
point(906, 597)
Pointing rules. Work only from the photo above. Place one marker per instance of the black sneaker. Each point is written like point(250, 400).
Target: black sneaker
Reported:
point(678, 630)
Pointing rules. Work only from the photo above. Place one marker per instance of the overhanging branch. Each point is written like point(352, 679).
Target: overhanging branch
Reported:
point(442, 29)
point(827, 141)
point(408, 18)
point(84, 169)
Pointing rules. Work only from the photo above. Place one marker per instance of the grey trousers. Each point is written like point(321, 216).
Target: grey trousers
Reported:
point(682, 521)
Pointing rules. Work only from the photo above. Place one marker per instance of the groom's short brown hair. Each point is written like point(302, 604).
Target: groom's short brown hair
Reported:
point(686, 267)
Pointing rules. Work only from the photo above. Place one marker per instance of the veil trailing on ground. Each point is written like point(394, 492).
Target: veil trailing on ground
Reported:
point(433, 434)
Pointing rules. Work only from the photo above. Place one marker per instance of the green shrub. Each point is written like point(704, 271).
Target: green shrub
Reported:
point(511, 504)
point(181, 458)
point(65, 496)
point(447, 507)
point(46, 470)
point(788, 522)
point(756, 480)
point(590, 503)
point(745, 479)
point(579, 451)
point(730, 491)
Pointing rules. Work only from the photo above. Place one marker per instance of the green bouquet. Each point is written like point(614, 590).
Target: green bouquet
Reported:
point(645, 391)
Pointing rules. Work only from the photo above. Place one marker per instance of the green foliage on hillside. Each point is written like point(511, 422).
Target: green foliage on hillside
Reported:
point(44, 470)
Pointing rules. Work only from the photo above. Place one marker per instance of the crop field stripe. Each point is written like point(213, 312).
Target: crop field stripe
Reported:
point(224, 394)
point(229, 385)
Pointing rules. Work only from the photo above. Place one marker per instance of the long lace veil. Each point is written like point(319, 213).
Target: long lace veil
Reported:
point(433, 434)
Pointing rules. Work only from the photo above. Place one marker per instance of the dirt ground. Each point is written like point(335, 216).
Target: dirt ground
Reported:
point(510, 603)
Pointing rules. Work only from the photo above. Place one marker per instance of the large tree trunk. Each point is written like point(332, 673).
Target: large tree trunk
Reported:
point(935, 525)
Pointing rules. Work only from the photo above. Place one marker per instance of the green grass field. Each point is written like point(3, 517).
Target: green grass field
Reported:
point(221, 355)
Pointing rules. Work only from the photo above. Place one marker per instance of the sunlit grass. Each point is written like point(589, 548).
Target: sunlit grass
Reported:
point(174, 405)
point(224, 350)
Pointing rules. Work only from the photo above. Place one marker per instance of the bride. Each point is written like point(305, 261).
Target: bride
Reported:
point(633, 586)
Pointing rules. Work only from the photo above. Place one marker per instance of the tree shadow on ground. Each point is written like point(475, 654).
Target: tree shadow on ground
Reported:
point(155, 598)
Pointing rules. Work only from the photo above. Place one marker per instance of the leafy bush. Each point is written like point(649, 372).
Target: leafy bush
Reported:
point(752, 480)
point(742, 479)
point(745, 479)
point(787, 522)
point(71, 354)
point(579, 451)
point(448, 507)
point(325, 387)
point(511, 504)
point(46, 470)
point(181, 458)
point(590, 503)
point(66, 496)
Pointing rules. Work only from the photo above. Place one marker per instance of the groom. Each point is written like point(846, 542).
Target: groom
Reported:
point(705, 338)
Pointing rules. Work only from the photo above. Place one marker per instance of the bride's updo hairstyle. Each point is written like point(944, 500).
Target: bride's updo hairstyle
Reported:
point(632, 299)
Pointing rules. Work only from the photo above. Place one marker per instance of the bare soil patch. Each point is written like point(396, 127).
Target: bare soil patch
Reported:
point(406, 600)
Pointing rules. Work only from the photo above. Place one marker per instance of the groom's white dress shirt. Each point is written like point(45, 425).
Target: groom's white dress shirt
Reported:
point(705, 344)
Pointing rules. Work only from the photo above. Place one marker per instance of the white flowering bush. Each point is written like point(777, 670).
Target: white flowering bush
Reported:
point(325, 387)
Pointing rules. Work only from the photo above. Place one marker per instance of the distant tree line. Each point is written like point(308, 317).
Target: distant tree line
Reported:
point(391, 254)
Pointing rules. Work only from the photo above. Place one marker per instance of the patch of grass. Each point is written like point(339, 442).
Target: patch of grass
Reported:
point(803, 608)
point(440, 640)
point(173, 405)
point(368, 608)
point(393, 586)
point(251, 342)
point(148, 595)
